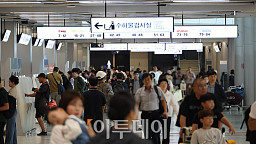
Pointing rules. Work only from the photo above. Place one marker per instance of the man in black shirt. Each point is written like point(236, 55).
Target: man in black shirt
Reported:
point(121, 107)
point(192, 104)
point(135, 83)
point(4, 105)
point(42, 97)
point(94, 103)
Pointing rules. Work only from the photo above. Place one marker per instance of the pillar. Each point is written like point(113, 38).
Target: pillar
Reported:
point(88, 57)
point(8, 50)
point(231, 55)
point(248, 59)
point(254, 51)
point(239, 53)
point(70, 54)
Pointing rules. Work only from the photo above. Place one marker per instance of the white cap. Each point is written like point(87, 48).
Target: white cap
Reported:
point(100, 74)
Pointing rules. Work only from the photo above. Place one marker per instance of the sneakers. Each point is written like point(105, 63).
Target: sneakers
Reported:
point(42, 134)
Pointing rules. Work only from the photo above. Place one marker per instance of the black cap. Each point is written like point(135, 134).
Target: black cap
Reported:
point(42, 75)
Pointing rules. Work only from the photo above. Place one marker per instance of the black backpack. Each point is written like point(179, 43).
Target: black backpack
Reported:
point(12, 107)
point(246, 118)
point(118, 86)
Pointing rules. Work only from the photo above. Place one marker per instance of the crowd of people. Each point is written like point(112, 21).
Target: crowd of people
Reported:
point(92, 96)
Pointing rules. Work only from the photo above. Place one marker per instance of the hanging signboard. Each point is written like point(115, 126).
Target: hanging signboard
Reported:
point(205, 32)
point(139, 24)
point(146, 47)
point(137, 35)
point(109, 47)
point(67, 33)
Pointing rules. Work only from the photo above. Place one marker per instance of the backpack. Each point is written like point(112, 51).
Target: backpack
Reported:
point(246, 118)
point(61, 88)
point(100, 88)
point(118, 86)
point(12, 107)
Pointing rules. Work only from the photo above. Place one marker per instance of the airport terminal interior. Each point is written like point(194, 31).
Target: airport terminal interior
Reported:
point(177, 41)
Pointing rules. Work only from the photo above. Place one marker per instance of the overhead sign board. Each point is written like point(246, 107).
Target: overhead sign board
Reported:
point(146, 47)
point(157, 48)
point(137, 35)
point(177, 48)
point(205, 32)
point(67, 33)
point(149, 24)
point(110, 47)
point(186, 46)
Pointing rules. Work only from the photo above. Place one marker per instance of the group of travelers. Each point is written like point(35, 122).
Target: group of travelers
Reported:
point(93, 96)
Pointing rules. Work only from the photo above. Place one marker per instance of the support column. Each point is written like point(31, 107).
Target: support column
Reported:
point(70, 54)
point(248, 60)
point(254, 51)
point(0, 48)
point(54, 51)
point(231, 55)
point(8, 50)
point(31, 53)
point(239, 53)
point(88, 58)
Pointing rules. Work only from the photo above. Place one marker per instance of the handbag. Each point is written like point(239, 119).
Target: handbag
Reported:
point(161, 108)
point(51, 104)
point(61, 88)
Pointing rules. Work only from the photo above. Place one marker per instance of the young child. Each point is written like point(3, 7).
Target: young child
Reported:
point(207, 134)
point(207, 101)
point(74, 129)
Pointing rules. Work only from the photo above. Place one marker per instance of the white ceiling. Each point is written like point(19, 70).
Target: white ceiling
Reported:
point(78, 12)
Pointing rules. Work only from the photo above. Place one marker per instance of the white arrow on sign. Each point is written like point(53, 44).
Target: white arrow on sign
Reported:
point(109, 64)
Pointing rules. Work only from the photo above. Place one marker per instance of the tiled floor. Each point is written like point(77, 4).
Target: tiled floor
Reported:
point(235, 117)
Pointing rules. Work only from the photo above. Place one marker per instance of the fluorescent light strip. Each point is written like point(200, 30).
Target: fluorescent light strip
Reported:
point(189, 1)
point(20, 2)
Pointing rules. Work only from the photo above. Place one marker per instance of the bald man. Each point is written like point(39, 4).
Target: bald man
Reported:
point(191, 104)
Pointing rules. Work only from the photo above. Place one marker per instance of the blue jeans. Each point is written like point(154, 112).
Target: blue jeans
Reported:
point(11, 131)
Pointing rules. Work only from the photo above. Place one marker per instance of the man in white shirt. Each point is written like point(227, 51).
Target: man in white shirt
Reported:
point(156, 72)
point(148, 99)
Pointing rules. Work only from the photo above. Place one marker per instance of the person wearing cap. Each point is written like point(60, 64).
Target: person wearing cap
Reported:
point(104, 87)
point(54, 80)
point(42, 97)
point(215, 88)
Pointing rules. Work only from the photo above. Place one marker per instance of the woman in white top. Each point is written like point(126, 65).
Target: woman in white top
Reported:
point(11, 131)
point(172, 105)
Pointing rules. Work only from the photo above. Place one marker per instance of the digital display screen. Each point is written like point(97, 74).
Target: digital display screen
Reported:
point(50, 44)
point(6, 35)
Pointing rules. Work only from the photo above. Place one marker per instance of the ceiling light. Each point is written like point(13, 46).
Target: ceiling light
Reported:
point(200, 0)
point(20, 2)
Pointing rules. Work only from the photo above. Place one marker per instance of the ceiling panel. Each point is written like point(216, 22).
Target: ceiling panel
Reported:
point(79, 12)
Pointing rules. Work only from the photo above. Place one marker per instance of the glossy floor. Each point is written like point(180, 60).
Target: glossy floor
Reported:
point(235, 117)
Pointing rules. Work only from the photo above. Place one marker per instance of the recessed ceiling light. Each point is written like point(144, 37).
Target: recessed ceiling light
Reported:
point(20, 2)
point(200, 0)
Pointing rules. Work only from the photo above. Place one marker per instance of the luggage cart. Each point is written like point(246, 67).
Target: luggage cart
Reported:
point(234, 100)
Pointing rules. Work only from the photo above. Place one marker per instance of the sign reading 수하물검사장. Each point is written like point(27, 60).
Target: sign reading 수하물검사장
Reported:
point(150, 24)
